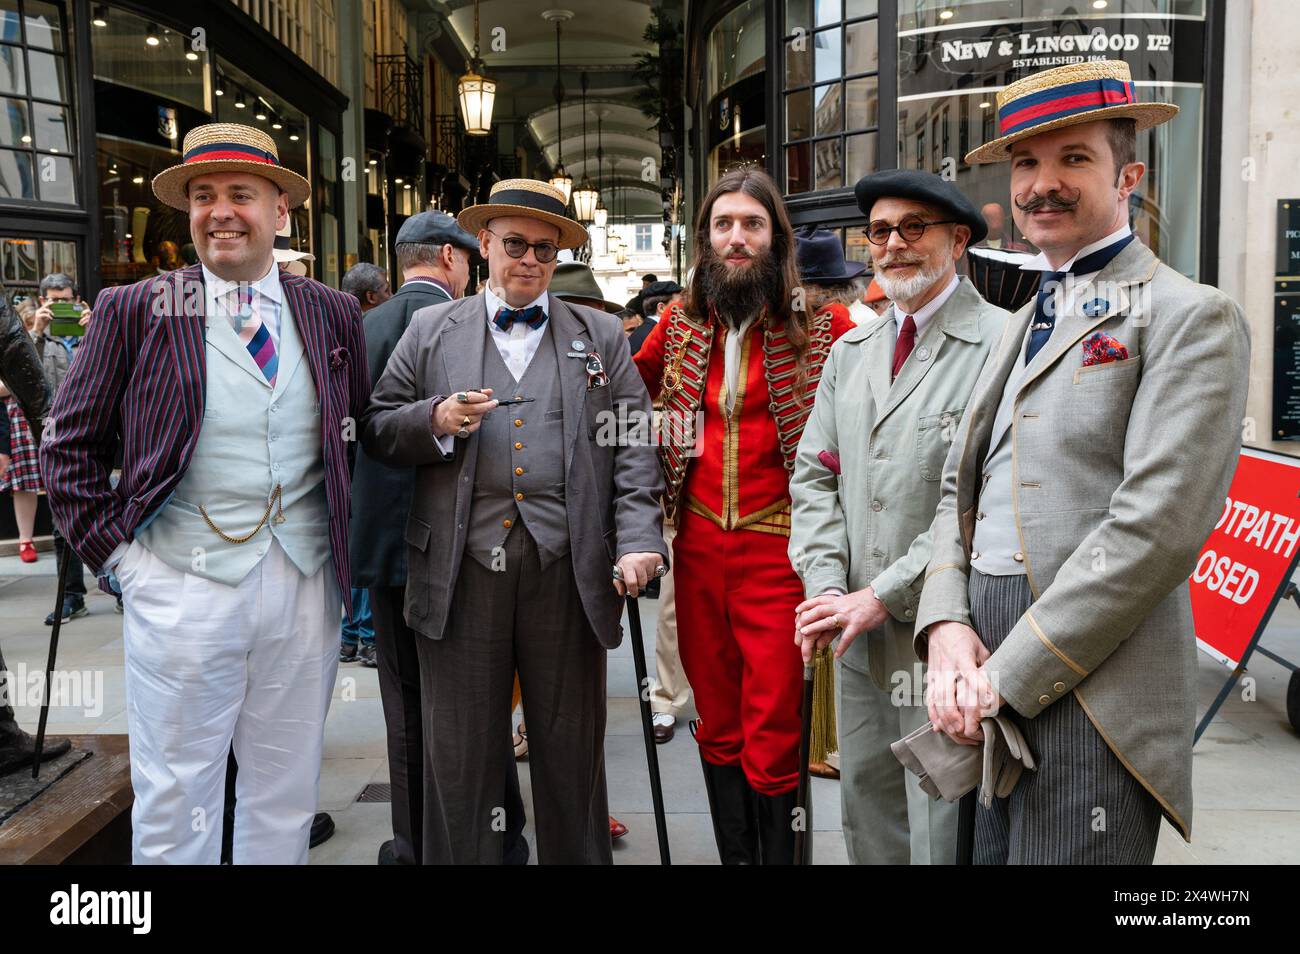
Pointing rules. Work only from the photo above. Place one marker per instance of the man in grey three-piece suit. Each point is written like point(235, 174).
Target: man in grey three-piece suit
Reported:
point(1090, 466)
point(522, 510)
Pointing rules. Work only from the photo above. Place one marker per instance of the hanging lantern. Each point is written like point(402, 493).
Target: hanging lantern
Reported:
point(601, 215)
point(477, 93)
point(562, 181)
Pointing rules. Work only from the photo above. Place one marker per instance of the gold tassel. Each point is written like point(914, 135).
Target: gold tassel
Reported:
point(824, 738)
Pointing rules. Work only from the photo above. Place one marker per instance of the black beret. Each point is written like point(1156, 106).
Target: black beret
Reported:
point(435, 228)
point(660, 289)
point(921, 187)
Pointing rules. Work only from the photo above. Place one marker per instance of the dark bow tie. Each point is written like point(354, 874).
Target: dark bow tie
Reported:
point(535, 315)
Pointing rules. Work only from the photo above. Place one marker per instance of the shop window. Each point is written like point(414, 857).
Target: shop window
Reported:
point(37, 142)
point(955, 55)
point(25, 261)
point(643, 238)
point(734, 88)
point(830, 100)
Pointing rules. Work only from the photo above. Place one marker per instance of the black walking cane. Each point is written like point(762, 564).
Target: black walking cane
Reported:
point(647, 731)
point(803, 834)
point(49, 661)
point(966, 828)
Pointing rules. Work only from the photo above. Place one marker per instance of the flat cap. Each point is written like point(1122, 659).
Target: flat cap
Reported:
point(921, 187)
point(435, 228)
point(660, 289)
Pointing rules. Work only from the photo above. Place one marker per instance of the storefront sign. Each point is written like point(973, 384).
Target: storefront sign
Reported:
point(1250, 555)
point(1288, 238)
point(999, 53)
point(1286, 361)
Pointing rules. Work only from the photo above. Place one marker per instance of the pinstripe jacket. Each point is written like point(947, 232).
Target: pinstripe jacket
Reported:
point(140, 380)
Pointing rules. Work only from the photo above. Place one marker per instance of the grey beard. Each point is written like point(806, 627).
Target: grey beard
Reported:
point(909, 288)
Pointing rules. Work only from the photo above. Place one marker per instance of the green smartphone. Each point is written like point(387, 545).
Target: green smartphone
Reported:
point(66, 318)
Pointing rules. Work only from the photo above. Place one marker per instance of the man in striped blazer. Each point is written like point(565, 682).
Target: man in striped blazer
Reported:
point(232, 387)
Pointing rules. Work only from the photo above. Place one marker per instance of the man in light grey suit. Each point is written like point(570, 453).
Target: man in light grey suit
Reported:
point(1092, 462)
point(522, 509)
point(865, 488)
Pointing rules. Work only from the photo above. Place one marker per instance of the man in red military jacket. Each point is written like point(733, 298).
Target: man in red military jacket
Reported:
point(739, 358)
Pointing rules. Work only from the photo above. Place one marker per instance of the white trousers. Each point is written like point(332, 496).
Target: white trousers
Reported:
point(207, 665)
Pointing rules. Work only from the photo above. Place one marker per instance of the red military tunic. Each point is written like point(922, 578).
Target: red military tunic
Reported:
point(735, 590)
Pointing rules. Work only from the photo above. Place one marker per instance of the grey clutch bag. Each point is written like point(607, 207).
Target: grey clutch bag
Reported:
point(948, 770)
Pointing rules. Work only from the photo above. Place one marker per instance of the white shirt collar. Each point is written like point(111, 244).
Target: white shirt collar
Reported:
point(495, 304)
point(1039, 262)
point(268, 285)
point(922, 316)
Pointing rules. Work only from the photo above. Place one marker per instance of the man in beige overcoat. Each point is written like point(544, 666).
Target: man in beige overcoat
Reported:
point(1091, 464)
point(865, 489)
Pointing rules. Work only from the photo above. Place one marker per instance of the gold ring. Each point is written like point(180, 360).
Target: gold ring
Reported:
point(465, 423)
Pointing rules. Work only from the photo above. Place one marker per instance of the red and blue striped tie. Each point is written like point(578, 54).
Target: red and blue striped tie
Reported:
point(254, 334)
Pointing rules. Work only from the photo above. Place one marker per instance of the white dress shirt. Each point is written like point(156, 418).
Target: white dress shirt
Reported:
point(518, 345)
point(731, 358)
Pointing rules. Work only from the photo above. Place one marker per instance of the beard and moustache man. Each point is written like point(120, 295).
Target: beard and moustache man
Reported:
point(736, 369)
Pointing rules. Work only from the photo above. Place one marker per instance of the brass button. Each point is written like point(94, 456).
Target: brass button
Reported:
point(1018, 557)
point(518, 423)
point(507, 524)
point(519, 445)
point(1059, 687)
point(1044, 700)
point(519, 471)
point(519, 496)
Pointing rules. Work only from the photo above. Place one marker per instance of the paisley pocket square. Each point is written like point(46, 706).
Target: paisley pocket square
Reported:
point(1102, 349)
point(830, 460)
point(338, 358)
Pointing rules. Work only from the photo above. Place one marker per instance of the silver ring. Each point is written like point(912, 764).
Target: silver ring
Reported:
point(462, 397)
point(462, 433)
point(618, 572)
point(660, 570)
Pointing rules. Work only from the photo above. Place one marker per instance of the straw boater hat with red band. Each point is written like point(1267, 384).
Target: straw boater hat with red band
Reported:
point(530, 198)
point(227, 147)
point(1067, 96)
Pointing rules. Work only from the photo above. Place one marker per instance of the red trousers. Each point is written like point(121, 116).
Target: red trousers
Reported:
point(736, 594)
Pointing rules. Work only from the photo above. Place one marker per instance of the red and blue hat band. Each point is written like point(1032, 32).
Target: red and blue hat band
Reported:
point(229, 150)
point(1070, 99)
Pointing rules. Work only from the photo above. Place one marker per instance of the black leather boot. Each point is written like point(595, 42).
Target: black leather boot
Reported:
point(731, 803)
point(776, 827)
point(17, 748)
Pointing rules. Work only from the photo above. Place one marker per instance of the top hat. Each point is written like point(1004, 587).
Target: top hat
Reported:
point(530, 198)
point(1067, 96)
point(227, 147)
point(820, 257)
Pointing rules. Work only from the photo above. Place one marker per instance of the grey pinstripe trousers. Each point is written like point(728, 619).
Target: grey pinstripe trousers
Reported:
point(1081, 806)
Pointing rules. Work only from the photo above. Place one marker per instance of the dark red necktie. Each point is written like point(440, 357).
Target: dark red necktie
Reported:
point(903, 346)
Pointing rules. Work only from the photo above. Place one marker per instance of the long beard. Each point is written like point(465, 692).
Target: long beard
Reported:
point(738, 293)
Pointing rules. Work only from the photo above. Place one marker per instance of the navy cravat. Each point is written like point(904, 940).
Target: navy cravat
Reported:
point(533, 314)
point(1040, 329)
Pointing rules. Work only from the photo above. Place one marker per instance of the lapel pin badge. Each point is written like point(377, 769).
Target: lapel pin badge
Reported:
point(577, 345)
point(1095, 307)
point(922, 354)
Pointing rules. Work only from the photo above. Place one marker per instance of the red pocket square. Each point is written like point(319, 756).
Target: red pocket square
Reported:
point(830, 460)
point(1102, 349)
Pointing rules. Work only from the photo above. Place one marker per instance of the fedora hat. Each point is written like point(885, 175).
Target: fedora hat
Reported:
point(1067, 96)
point(227, 147)
point(574, 281)
point(820, 257)
point(530, 198)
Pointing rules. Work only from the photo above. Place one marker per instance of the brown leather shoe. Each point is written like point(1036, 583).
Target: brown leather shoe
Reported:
point(822, 770)
point(663, 733)
point(616, 829)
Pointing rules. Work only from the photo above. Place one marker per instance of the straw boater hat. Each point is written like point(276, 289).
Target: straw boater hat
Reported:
point(530, 198)
point(1067, 96)
point(227, 147)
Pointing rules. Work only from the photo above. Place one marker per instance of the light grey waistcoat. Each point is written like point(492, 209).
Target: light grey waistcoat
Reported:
point(502, 494)
point(252, 439)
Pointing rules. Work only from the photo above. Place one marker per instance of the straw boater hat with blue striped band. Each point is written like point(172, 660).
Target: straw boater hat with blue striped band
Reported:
point(530, 198)
point(227, 147)
point(1068, 96)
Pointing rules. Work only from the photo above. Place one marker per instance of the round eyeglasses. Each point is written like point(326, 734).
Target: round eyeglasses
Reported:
point(909, 230)
point(516, 247)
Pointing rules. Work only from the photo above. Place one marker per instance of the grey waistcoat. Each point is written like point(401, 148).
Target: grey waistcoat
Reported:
point(535, 446)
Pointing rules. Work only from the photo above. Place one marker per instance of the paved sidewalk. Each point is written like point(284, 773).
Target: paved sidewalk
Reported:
point(1247, 766)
